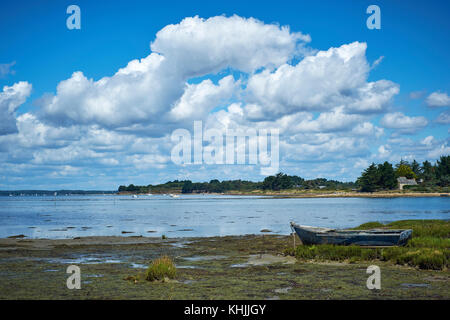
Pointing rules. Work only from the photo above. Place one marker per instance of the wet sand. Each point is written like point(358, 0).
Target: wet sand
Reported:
point(233, 267)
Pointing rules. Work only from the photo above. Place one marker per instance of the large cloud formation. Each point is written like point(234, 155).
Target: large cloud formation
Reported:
point(230, 72)
point(146, 90)
point(333, 78)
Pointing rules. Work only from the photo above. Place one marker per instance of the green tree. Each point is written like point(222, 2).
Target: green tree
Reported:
point(369, 179)
point(386, 176)
point(415, 167)
point(285, 181)
point(278, 182)
point(443, 171)
point(268, 182)
point(132, 188)
point(404, 170)
point(401, 163)
point(427, 172)
point(215, 186)
point(297, 181)
point(187, 187)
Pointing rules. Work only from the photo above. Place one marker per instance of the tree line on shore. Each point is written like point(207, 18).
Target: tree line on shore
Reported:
point(277, 182)
point(375, 177)
point(384, 176)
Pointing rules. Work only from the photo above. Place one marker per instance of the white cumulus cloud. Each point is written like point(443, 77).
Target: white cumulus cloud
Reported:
point(438, 99)
point(328, 79)
point(403, 123)
point(10, 99)
point(197, 46)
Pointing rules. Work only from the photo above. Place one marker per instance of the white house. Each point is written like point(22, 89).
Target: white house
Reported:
point(402, 181)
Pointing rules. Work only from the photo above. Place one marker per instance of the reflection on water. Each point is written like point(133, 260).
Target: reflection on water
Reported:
point(198, 215)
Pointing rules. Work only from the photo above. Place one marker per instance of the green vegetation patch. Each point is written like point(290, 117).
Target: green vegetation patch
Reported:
point(160, 269)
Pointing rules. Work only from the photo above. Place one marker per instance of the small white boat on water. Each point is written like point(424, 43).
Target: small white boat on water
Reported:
point(173, 195)
point(135, 196)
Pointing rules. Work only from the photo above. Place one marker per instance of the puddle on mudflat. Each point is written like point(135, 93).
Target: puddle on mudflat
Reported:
point(415, 285)
point(263, 259)
point(139, 266)
point(187, 281)
point(188, 267)
point(283, 290)
point(180, 244)
point(239, 265)
point(203, 258)
point(437, 278)
point(84, 260)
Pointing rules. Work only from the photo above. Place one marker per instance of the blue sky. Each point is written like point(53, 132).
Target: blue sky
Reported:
point(38, 48)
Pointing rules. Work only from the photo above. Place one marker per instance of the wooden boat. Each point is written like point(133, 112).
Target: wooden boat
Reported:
point(373, 237)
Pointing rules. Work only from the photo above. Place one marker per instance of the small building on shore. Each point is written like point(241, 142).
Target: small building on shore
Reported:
point(403, 181)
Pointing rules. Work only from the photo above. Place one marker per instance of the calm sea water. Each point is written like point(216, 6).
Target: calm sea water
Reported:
point(199, 215)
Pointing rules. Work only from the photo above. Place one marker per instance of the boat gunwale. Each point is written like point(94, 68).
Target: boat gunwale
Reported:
point(321, 231)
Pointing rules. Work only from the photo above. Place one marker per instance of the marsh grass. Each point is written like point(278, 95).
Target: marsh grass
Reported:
point(160, 269)
point(428, 249)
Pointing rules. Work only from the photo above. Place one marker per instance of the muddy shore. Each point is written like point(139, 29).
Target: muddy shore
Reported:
point(232, 267)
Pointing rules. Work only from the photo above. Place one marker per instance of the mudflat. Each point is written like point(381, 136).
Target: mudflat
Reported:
point(232, 267)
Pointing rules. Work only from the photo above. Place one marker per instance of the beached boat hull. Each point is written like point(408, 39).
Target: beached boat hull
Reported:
point(374, 237)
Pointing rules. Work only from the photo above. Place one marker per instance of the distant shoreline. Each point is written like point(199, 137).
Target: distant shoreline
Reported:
point(316, 194)
point(281, 195)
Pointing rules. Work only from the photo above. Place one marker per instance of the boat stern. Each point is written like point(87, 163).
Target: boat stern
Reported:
point(404, 237)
